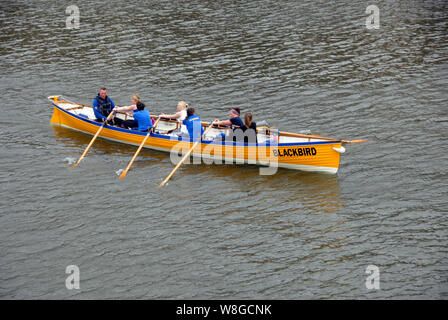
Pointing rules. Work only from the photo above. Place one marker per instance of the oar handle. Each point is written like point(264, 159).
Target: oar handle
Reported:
point(155, 123)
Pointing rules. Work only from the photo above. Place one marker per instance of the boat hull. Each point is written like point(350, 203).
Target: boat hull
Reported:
point(307, 156)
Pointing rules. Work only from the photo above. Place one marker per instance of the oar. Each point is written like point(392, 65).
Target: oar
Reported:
point(298, 135)
point(183, 159)
point(123, 174)
point(93, 139)
point(353, 141)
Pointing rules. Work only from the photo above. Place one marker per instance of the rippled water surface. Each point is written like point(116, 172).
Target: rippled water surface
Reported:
point(223, 231)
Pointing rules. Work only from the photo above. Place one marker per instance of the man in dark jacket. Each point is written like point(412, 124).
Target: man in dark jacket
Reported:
point(103, 106)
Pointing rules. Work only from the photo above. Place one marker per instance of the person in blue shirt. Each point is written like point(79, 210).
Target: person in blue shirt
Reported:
point(103, 106)
point(142, 119)
point(193, 124)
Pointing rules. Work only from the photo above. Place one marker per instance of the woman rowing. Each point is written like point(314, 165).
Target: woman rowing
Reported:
point(181, 114)
point(129, 123)
point(193, 124)
point(142, 119)
point(252, 126)
point(234, 121)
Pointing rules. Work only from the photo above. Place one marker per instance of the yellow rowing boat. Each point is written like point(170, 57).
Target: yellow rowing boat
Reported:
point(273, 149)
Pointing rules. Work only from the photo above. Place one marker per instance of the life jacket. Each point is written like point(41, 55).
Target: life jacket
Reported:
point(104, 105)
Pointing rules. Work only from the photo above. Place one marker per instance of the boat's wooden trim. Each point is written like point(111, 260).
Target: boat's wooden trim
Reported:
point(204, 123)
point(302, 155)
point(82, 106)
point(298, 135)
point(74, 108)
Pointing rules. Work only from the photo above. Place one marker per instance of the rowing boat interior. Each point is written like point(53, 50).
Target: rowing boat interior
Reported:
point(166, 126)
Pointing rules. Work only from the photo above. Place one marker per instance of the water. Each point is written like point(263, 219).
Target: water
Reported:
point(222, 231)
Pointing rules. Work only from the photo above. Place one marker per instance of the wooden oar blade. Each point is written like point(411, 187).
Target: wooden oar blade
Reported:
point(123, 174)
point(354, 141)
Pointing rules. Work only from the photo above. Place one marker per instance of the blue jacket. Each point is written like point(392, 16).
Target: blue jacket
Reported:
point(143, 119)
point(194, 127)
point(102, 107)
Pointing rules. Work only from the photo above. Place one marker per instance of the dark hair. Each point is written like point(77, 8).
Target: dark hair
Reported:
point(190, 112)
point(103, 88)
point(140, 106)
point(237, 110)
point(248, 119)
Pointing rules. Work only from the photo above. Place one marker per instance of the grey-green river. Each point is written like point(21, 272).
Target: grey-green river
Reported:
point(225, 231)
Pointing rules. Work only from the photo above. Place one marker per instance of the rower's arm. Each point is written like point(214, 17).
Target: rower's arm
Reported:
point(96, 110)
point(126, 108)
point(172, 116)
point(223, 122)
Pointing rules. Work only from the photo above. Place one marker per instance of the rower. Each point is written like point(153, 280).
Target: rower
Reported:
point(251, 135)
point(235, 121)
point(135, 98)
point(103, 106)
point(181, 114)
point(193, 124)
point(142, 119)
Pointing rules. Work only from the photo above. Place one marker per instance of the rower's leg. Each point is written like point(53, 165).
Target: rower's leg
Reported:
point(129, 124)
point(118, 122)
